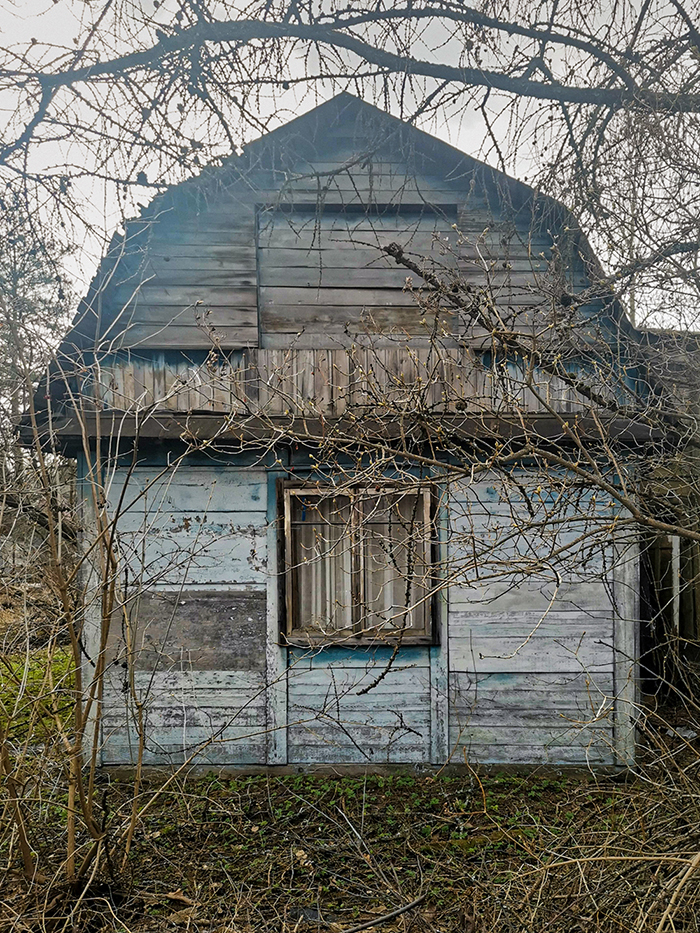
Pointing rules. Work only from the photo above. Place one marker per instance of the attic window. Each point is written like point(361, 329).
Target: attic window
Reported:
point(357, 565)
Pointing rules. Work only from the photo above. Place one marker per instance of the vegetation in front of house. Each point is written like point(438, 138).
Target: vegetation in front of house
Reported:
point(35, 693)
point(477, 852)
point(297, 853)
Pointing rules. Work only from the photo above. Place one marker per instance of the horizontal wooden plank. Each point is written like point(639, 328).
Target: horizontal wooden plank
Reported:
point(548, 736)
point(312, 272)
point(502, 596)
point(466, 623)
point(291, 319)
point(324, 280)
point(213, 631)
point(321, 727)
point(199, 255)
point(160, 518)
point(585, 693)
point(577, 717)
point(319, 684)
point(179, 683)
point(308, 237)
point(391, 217)
point(159, 719)
point(522, 751)
point(152, 295)
point(540, 654)
point(301, 233)
point(174, 748)
point(193, 488)
point(273, 297)
point(359, 191)
point(197, 555)
point(180, 336)
point(177, 231)
point(329, 753)
point(191, 274)
point(400, 313)
point(325, 742)
point(345, 252)
point(408, 658)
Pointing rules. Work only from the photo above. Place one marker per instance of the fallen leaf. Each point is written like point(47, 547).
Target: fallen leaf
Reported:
point(180, 898)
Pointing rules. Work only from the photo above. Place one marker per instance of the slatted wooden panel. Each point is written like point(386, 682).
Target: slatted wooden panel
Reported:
point(276, 382)
point(194, 277)
point(198, 527)
point(531, 665)
point(187, 279)
point(324, 271)
point(531, 679)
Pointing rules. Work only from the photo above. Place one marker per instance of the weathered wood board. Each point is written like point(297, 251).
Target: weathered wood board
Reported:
point(215, 717)
point(193, 545)
point(531, 661)
point(330, 720)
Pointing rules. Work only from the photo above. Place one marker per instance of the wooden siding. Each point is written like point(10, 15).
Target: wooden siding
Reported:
point(531, 663)
point(525, 673)
point(330, 720)
point(193, 548)
point(276, 382)
point(220, 714)
point(195, 527)
point(273, 253)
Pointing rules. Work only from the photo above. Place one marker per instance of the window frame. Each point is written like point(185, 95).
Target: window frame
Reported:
point(361, 638)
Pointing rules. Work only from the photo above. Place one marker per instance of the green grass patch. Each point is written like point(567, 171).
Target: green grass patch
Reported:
point(29, 706)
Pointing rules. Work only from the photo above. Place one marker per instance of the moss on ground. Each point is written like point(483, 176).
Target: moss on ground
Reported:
point(34, 699)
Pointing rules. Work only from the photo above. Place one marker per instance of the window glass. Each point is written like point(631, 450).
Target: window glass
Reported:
point(358, 564)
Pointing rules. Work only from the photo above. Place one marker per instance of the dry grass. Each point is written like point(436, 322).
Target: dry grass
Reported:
point(297, 854)
point(303, 853)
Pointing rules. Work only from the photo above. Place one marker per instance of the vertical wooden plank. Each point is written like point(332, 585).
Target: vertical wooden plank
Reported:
point(279, 386)
point(626, 650)
point(125, 367)
point(261, 373)
point(322, 380)
point(339, 368)
point(158, 378)
point(218, 374)
point(248, 389)
point(111, 376)
point(178, 382)
point(106, 385)
point(276, 654)
point(676, 582)
point(439, 654)
point(138, 366)
point(89, 580)
point(171, 384)
point(303, 380)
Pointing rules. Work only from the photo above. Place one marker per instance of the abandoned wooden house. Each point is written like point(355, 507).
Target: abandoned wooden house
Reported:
point(273, 608)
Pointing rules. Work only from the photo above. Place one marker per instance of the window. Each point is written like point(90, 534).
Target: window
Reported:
point(358, 564)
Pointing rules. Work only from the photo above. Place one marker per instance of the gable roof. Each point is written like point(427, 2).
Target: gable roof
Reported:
point(270, 165)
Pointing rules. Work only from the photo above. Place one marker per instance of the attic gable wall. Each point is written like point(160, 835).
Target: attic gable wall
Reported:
point(259, 251)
